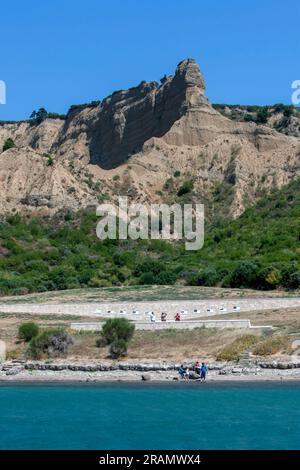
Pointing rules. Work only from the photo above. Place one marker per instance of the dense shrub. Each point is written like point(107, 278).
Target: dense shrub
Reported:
point(211, 277)
point(8, 144)
point(260, 249)
point(262, 116)
point(27, 331)
point(117, 328)
point(268, 278)
point(149, 266)
point(118, 348)
point(185, 188)
point(166, 278)
point(293, 280)
point(147, 279)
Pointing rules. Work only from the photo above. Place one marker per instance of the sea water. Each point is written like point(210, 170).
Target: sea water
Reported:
point(150, 416)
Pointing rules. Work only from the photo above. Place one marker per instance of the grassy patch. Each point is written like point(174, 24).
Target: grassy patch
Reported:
point(272, 345)
point(233, 351)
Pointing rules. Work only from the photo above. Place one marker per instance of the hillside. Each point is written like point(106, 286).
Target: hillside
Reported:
point(283, 118)
point(145, 142)
point(260, 249)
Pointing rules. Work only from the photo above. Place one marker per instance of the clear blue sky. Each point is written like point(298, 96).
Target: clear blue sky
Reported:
point(62, 52)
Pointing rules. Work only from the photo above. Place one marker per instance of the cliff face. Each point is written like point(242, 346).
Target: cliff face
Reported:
point(134, 142)
point(124, 121)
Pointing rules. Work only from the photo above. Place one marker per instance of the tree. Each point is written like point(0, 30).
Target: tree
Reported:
point(262, 116)
point(117, 333)
point(37, 117)
point(8, 144)
point(27, 331)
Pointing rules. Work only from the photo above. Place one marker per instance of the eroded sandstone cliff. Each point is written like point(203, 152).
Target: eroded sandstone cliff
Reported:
point(144, 142)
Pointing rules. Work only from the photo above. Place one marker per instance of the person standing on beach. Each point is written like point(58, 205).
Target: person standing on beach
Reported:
point(203, 372)
point(197, 368)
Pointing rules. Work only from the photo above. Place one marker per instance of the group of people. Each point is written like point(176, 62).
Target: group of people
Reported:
point(200, 370)
point(163, 317)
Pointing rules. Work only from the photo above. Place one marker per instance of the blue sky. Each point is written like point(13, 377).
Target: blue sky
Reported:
point(62, 52)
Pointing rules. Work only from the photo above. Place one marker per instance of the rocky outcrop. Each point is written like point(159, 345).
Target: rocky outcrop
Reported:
point(124, 121)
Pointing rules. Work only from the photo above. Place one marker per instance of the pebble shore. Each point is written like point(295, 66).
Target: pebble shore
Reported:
point(133, 372)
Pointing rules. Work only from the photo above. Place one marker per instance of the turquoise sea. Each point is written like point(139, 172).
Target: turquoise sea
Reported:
point(150, 416)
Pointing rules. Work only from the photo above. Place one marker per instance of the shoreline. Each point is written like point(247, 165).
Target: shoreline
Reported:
point(135, 377)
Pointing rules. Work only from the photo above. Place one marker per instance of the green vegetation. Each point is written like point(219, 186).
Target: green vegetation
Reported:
point(185, 188)
point(79, 107)
point(271, 346)
point(8, 144)
point(27, 331)
point(233, 351)
point(50, 161)
point(260, 114)
point(37, 117)
point(259, 250)
point(51, 343)
point(117, 333)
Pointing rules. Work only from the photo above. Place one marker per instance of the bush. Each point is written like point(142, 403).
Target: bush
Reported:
point(8, 144)
point(293, 280)
point(269, 278)
point(27, 331)
point(147, 279)
point(185, 188)
point(149, 266)
point(118, 348)
point(211, 277)
point(232, 351)
point(117, 332)
point(262, 116)
point(52, 342)
point(50, 161)
point(117, 328)
point(245, 275)
point(166, 278)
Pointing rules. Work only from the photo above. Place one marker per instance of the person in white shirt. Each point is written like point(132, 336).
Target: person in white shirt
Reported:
point(152, 317)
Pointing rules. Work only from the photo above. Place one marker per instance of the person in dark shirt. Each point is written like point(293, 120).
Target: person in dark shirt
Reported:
point(181, 371)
